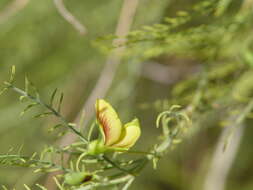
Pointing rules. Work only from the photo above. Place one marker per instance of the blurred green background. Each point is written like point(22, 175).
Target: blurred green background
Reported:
point(53, 54)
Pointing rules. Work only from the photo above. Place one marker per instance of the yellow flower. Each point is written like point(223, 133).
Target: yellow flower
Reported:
point(115, 137)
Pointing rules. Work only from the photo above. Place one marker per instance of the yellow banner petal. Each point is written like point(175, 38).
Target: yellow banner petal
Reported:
point(130, 135)
point(109, 122)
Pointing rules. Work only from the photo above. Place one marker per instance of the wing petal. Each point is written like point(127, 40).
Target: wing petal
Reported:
point(130, 135)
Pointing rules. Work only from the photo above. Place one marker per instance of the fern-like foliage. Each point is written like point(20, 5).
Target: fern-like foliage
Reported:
point(85, 171)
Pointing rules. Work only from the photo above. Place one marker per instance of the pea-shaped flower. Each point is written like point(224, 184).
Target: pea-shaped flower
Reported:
point(115, 136)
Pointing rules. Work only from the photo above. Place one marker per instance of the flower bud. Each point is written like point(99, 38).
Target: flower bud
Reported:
point(77, 178)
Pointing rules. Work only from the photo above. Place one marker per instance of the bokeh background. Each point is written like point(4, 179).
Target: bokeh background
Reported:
point(166, 69)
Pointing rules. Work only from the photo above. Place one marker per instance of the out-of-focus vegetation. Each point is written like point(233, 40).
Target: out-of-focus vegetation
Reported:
point(194, 53)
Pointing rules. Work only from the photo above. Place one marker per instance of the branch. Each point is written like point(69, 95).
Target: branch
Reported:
point(27, 161)
point(116, 165)
point(114, 59)
point(11, 9)
point(51, 109)
point(223, 161)
point(107, 75)
point(69, 17)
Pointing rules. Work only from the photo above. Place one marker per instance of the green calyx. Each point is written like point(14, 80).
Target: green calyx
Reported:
point(98, 147)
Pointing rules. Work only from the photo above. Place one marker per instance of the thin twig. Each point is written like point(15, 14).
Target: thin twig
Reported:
point(107, 75)
point(11, 9)
point(70, 17)
point(116, 165)
point(51, 109)
point(222, 161)
point(34, 161)
point(114, 59)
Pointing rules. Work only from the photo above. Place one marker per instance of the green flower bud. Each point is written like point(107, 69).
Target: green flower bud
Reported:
point(77, 178)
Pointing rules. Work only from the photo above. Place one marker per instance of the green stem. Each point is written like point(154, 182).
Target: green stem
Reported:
point(116, 165)
point(57, 114)
point(28, 159)
point(140, 152)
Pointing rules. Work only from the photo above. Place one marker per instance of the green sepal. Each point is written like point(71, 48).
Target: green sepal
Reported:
point(96, 147)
